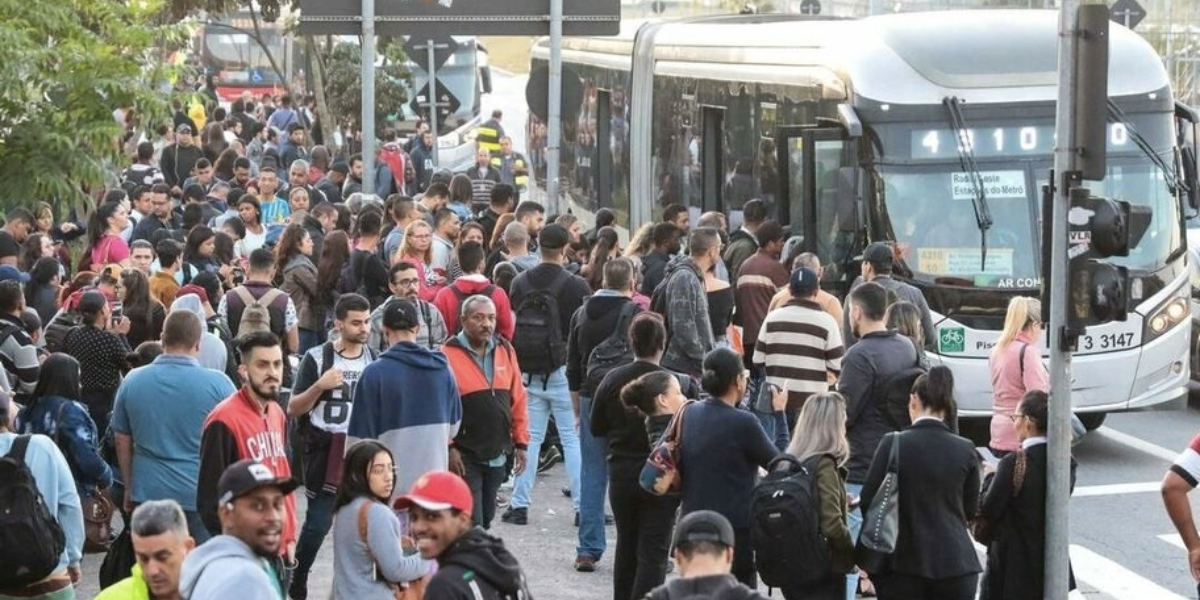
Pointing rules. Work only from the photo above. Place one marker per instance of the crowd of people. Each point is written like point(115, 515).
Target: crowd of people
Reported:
point(230, 337)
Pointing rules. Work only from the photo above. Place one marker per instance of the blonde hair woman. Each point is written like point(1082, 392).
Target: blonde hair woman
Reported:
point(1016, 368)
point(417, 249)
point(641, 242)
point(821, 432)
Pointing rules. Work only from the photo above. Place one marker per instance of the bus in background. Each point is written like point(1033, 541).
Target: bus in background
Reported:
point(848, 129)
point(231, 50)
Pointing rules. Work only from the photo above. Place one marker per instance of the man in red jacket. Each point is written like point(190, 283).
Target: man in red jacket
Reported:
point(450, 298)
point(250, 424)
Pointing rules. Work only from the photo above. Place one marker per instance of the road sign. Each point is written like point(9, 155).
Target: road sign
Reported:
point(448, 103)
point(1128, 13)
point(537, 92)
point(444, 47)
point(810, 7)
point(460, 17)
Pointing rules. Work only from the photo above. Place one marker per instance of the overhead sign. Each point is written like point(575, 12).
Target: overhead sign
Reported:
point(448, 103)
point(460, 17)
point(1128, 13)
point(810, 7)
point(417, 49)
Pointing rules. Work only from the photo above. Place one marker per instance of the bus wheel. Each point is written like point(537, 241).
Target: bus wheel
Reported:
point(1092, 421)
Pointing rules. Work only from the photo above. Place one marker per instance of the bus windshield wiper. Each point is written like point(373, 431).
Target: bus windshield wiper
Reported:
point(1117, 115)
point(966, 160)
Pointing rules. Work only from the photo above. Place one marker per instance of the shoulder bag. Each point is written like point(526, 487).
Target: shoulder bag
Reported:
point(413, 590)
point(97, 508)
point(982, 528)
point(660, 475)
point(881, 522)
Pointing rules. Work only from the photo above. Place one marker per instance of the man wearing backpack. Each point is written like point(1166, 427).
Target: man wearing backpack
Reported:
point(18, 353)
point(877, 263)
point(683, 302)
point(41, 544)
point(598, 343)
point(404, 283)
point(450, 298)
point(257, 305)
point(544, 299)
point(867, 368)
point(321, 401)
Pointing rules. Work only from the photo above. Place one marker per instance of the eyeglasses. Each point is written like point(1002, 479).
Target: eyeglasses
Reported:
point(1013, 417)
point(406, 282)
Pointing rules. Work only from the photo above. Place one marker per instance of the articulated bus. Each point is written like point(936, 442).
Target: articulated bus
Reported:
point(849, 130)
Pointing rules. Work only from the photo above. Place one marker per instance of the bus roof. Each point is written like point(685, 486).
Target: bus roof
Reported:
point(913, 58)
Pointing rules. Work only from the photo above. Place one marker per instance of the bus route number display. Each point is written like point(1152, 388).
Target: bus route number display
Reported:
point(1000, 141)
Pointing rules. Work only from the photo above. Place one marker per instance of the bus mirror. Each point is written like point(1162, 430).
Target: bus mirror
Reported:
point(485, 79)
point(1188, 158)
point(847, 199)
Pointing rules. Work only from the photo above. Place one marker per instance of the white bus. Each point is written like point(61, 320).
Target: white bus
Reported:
point(848, 129)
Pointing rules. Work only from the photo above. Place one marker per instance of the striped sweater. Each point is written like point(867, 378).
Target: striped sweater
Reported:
point(799, 345)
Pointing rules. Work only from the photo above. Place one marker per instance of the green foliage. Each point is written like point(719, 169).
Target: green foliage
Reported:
point(270, 10)
point(343, 82)
point(68, 65)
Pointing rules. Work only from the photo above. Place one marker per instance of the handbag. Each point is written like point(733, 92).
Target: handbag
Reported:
point(660, 475)
point(982, 528)
point(413, 590)
point(97, 508)
point(881, 523)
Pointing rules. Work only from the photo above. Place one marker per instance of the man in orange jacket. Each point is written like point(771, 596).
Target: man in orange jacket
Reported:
point(494, 418)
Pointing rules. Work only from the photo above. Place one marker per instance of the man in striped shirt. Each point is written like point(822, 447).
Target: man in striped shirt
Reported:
point(800, 344)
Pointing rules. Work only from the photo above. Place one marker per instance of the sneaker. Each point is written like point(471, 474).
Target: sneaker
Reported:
point(516, 516)
point(585, 564)
point(548, 458)
point(566, 492)
point(298, 590)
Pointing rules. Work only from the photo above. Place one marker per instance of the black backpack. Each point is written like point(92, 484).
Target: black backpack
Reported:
point(31, 540)
point(614, 351)
point(56, 332)
point(538, 337)
point(893, 395)
point(785, 525)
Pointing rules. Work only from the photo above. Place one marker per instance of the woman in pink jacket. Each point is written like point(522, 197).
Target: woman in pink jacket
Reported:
point(1016, 367)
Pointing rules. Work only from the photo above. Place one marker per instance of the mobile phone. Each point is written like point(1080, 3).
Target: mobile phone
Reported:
point(118, 311)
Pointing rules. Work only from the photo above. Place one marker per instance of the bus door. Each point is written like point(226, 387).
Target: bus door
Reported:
point(817, 195)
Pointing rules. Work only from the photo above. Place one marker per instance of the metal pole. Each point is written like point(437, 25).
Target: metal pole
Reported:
point(554, 110)
point(430, 49)
point(368, 96)
point(1058, 475)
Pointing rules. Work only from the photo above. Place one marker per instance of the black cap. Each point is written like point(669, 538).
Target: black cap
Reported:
point(804, 282)
point(879, 254)
point(703, 526)
point(247, 475)
point(400, 314)
point(554, 236)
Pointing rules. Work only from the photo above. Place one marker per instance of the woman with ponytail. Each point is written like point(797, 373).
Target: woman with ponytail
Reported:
point(721, 449)
point(1016, 368)
point(934, 556)
point(105, 244)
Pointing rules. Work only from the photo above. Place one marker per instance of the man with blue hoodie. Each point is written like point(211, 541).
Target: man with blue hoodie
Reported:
point(407, 399)
point(241, 562)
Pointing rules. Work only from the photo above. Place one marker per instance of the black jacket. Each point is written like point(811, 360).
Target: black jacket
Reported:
point(711, 587)
point(654, 269)
point(177, 163)
point(590, 325)
point(939, 493)
point(475, 567)
point(866, 366)
point(1016, 556)
point(624, 428)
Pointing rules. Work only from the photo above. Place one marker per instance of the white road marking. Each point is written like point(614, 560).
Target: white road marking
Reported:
point(1174, 540)
point(1115, 580)
point(1116, 489)
point(1137, 443)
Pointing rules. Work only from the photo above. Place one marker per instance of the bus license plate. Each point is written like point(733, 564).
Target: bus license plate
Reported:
point(1106, 341)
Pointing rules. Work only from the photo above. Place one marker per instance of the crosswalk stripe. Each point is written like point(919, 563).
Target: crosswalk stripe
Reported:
point(1086, 491)
point(1174, 540)
point(1136, 443)
point(1115, 580)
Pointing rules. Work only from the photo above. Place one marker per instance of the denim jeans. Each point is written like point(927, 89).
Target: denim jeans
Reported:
point(484, 482)
point(317, 521)
point(593, 483)
point(548, 395)
point(775, 426)
point(854, 521)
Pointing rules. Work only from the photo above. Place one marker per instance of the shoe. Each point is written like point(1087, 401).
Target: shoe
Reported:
point(566, 492)
point(298, 590)
point(548, 458)
point(585, 564)
point(516, 516)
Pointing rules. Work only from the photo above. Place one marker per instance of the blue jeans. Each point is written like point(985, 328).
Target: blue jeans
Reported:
point(317, 521)
point(854, 520)
point(593, 485)
point(775, 426)
point(548, 395)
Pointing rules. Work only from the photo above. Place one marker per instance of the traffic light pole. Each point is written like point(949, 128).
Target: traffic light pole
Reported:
point(554, 109)
point(368, 96)
point(1065, 175)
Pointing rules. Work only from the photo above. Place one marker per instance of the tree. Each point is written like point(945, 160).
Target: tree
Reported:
point(343, 84)
point(69, 64)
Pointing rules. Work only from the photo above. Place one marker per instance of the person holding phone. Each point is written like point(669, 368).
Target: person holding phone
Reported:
point(100, 346)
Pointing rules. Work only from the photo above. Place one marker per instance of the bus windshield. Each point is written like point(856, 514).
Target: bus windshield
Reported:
point(237, 59)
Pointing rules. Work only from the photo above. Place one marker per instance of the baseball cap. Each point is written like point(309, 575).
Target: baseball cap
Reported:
point(400, 314)
point(554, 236)
point(247, 475)
point(804, 282)
point(183, 128)
point(703, 526)
point(879, 254)
point(11, 273)
point(438, 490)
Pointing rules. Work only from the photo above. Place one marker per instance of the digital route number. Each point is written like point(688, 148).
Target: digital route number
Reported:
point(1000, 141)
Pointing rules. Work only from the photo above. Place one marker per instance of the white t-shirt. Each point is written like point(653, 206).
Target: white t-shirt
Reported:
point(334, 415)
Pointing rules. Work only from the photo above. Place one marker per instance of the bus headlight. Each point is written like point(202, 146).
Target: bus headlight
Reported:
point(1165, 317)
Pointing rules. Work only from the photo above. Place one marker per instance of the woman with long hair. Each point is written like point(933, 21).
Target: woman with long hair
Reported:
point(934, 556)
point(81, 280)
point(296, 276)
point(724, 448)
point(372, 552)
point(105, 244)
point(905, 318)
point(55, 411)
point(255, 233)
point(146, 314)
point(200, 253)
point(496, 244)
point(1016, 368)
point(641, 242)
point(223, 166)
point(335, 253)
point(608, 247)
point(99, 344)
point(35, 247)
point(821, 434)
point(417, 248)
point(41, 293)
point(470, 232)
point(214, 141)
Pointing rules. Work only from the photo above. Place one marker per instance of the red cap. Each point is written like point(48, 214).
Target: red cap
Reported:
point(438, 490)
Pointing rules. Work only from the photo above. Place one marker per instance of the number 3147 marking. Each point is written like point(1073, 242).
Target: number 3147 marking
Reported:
point(1106, 341)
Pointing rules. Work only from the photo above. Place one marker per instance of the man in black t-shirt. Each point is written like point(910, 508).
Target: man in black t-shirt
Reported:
point(17, 226)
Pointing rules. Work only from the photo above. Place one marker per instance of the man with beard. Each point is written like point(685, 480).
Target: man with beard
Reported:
point(161, 216)
point(666, 238)
point(160, 544)
point(255, 507)
point(248, 425)
point(353, 184)
point(471, 563)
